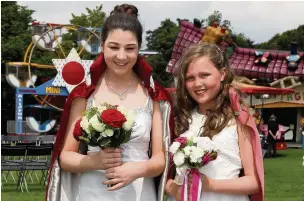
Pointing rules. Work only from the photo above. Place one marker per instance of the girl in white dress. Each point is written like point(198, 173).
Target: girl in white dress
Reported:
point(205, 101)
point(120, 77)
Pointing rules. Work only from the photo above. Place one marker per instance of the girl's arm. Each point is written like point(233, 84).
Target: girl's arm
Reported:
point(245, 185)
point(70, 160)
point(156, 164)
point(128, 172)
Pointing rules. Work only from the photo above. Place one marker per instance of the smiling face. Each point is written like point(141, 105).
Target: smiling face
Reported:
point(203, 81)
point(120, 51)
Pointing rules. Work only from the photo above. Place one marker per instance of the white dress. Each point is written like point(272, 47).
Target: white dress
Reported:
point(228, 163)
point(142, 189)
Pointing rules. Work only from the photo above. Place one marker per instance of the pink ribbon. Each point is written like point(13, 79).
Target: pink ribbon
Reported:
point(196, 187)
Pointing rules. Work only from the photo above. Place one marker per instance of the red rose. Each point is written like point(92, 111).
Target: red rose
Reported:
point(77, 130)
point(113, 118)
point(182, 141)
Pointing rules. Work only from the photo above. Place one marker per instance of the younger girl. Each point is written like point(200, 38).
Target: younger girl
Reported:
point(208, 105)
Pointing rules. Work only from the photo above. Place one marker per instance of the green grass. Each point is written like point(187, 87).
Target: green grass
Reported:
point(9, 190)
point(284, 176)
point(284, 180)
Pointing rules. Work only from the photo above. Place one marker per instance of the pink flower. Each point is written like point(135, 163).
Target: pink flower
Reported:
point(206, 159)
point(209, 157)
point(182, 141)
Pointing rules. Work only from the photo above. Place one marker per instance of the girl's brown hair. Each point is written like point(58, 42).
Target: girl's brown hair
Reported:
point(123, 17)
point(219, 116)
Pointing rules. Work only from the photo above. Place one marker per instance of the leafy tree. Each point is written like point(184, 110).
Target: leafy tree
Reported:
point(216, 16)
point(15, 37)
point(282, 41)
point(94, 18)
point(162, 39)
point(15, 33)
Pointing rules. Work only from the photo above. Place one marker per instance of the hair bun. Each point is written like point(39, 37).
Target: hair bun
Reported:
point(125, 8)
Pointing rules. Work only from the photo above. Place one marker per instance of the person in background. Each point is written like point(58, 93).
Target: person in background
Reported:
point(273, 128)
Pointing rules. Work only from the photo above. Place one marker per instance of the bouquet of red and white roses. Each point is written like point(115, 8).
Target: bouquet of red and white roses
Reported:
point(105, 126)
point(190, 154)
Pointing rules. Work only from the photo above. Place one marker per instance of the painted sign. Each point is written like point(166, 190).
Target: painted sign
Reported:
point(52, 90)
point(45, 89)
point(297, 97)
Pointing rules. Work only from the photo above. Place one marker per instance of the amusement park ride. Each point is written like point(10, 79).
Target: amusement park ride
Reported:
point(51, 94)
point(71, 71)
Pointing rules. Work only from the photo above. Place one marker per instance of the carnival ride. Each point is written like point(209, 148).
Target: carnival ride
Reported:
point(51, 93)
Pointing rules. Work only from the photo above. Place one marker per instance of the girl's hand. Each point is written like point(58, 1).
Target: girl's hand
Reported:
point(108, 158)
point(174, 190)
point(121, 176)
point(206, 183)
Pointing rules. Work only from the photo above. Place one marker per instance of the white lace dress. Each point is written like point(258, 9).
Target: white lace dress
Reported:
point(228, 163)
point(142, 189)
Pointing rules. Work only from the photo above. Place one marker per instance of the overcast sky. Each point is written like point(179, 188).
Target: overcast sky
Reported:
point(257, 20)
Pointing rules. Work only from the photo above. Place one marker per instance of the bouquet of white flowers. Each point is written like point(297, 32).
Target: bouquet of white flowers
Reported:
point(105, 126)
point(191, 154)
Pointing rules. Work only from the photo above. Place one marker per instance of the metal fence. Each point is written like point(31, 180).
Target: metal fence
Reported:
point(11, 128)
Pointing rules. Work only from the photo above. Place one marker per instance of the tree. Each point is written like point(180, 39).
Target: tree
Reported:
point(15, 33)
point(95, 18)
point(162, 39)
point(15, 37)
point(282, 41)
point(216, 16)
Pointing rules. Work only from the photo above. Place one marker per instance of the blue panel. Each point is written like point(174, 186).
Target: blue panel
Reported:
point(19, 113)
point(45, 89)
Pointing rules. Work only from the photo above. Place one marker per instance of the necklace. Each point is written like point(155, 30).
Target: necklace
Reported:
point(120, 95)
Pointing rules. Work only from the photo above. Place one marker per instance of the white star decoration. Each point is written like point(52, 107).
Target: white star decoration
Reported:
point(60, 63)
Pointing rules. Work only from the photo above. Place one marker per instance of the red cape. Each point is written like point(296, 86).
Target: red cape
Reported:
point(141, 68)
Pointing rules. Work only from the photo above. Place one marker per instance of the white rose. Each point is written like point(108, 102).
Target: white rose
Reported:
point(96, 124)
point(174, 147)
point(188, 150)
point(84, 123)
point(205, 143)
point(196, 154)
point(179, 158)
point(128, 125)
point(130, 116)
point(101, 108)
point(109, 132)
